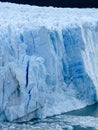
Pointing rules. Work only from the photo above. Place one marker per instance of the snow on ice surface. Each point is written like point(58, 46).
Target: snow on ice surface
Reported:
point(48, 60)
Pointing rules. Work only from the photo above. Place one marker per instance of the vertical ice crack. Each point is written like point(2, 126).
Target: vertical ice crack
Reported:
point(3, 95)
point(27, 73)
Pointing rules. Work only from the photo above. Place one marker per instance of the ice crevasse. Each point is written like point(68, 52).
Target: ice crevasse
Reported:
point(48, 60)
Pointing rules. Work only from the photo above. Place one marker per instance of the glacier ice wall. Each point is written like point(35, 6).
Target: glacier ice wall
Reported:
point(46, 69)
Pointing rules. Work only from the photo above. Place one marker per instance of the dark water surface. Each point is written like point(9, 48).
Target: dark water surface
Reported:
point(83, 119)
point(91, 110)
point(80, 128)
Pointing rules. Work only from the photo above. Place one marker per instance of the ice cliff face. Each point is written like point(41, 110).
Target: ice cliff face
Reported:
point(48, 60)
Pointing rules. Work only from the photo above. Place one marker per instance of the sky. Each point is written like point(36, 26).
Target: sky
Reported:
point(58, 3)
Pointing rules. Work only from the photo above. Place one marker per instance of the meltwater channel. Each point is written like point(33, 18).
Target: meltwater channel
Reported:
point(82, 119)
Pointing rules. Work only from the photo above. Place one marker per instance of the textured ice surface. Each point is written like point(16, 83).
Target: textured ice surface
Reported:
point(48, 60)
point(62, 122)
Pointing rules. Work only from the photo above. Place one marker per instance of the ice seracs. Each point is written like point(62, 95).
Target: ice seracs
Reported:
point(48, 60)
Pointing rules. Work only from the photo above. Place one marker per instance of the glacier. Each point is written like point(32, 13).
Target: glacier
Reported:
point(48, 60)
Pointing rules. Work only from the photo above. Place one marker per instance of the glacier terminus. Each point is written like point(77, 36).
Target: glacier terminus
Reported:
point(48, 60)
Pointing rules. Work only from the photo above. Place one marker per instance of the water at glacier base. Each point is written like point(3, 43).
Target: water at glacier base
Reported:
point(83, 119)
